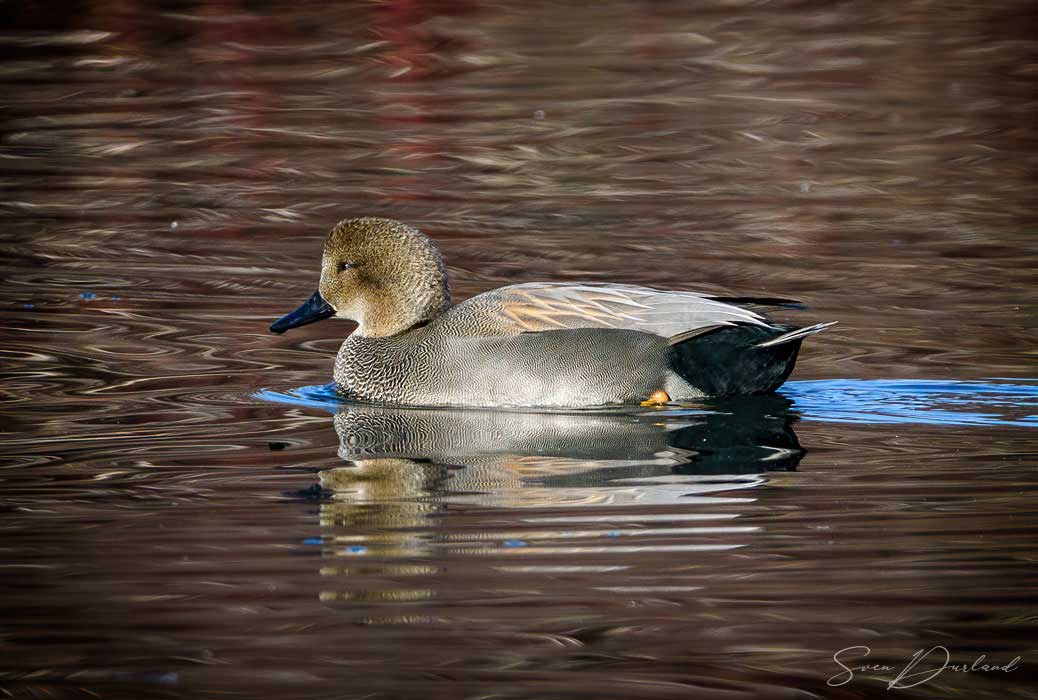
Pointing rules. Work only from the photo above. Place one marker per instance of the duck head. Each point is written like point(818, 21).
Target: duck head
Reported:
point(381, 273)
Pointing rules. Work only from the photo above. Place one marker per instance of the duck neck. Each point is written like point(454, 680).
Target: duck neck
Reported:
point(386, 315)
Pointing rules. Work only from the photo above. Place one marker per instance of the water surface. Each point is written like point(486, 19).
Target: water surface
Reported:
point(186, 512)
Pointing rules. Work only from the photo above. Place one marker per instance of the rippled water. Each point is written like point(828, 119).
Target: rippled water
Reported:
point(185, 510)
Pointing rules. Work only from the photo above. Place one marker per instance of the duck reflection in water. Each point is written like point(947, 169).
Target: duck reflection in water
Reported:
point(407, 464)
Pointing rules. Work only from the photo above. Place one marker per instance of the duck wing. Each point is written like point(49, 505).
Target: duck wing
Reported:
point(544, 306)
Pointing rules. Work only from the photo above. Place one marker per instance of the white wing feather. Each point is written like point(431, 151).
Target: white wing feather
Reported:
point(539, 306)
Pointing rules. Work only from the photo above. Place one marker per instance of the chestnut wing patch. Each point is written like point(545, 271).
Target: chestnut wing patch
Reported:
point(542, 306)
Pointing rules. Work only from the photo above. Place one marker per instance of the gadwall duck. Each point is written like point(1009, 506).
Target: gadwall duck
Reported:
point(536, 344)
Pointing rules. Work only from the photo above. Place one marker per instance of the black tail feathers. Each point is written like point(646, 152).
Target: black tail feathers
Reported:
point(734, 360)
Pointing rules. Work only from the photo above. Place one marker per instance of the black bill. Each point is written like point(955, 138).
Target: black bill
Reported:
point(313, 309)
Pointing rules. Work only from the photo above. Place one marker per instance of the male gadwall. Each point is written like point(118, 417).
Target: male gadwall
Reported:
point(536, 344)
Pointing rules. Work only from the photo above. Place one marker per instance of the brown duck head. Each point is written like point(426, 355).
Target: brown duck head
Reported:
point(381, 273)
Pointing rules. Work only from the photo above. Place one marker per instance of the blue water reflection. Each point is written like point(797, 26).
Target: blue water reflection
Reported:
point(877, 401)
point(916, 401)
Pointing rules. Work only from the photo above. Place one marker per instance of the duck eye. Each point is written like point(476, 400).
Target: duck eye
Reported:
point(343, 266)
